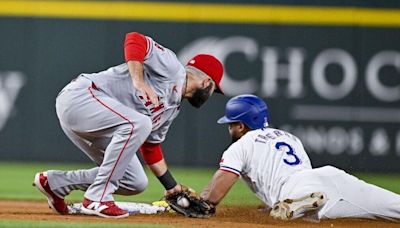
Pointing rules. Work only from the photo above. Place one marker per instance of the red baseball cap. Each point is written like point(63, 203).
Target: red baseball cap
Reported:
point(211, 66)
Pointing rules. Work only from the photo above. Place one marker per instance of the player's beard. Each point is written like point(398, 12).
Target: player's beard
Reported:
point(235, 136)
point(200, 96)
point(234, 139)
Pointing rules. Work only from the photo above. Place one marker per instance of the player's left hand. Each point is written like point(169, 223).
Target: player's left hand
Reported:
point(147, 92)
point(189, 204)
point(174, 190)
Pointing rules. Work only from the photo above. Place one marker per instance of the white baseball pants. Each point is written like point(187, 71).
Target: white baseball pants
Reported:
point(348, 196)
point(109, 133)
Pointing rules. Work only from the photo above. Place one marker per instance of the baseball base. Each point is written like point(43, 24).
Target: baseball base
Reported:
point(131, 207)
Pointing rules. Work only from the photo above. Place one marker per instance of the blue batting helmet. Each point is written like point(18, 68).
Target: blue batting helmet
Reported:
point(248, 109)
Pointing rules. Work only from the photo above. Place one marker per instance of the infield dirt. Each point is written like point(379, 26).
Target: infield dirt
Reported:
point(232, 216)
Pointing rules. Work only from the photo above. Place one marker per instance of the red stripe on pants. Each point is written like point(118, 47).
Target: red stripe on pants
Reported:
point(123, 148)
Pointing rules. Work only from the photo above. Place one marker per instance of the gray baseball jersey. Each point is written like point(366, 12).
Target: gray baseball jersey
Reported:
point(163, 72)
point(104, 116)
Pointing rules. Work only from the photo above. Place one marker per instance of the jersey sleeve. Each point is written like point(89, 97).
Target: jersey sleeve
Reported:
point(136, 47)
point(158, 60)
point(152, 153)
point(162, 62)
point(233, 159)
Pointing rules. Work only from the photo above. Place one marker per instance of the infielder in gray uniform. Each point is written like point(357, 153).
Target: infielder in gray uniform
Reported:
point(112, 114)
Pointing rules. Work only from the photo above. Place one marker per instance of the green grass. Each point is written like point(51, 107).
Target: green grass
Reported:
point(387, 181)
point(16, 183)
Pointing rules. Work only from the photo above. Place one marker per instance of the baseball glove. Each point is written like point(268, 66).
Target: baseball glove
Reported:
point(189, 204)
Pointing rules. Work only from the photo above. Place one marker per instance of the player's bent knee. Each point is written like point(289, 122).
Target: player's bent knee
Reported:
point(141, 185)
point(134, 188)
point(124, 130)
point(143, 125)
point(139, 124)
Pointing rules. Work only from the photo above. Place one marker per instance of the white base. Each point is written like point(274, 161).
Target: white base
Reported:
point(131, 207)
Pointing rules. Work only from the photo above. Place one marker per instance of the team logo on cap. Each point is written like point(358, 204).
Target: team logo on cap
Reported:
point(265, 122)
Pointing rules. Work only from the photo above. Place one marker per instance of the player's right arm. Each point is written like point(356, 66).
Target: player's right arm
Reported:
point(219, 186)
point(231, 165)
point(160, 170)
point(136, 48)
point(153, 157)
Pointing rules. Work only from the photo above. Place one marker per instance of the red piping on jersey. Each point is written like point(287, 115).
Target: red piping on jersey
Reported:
point(156, 109)
point(148, 45)
point(229, 171)
point(123, 148)
point(136, 47)
point(152, 153)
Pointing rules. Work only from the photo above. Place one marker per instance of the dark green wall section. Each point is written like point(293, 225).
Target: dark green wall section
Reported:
point(337, 88)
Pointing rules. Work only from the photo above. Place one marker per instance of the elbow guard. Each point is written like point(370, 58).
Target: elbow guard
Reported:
point(151, 153)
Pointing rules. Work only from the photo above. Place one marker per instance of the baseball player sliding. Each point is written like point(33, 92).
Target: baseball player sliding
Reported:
point(112, 114)
point(277, 169)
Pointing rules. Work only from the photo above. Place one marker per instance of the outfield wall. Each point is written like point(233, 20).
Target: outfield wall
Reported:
point(329, 73)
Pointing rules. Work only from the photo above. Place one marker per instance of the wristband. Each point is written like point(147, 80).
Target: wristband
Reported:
point(167, 180)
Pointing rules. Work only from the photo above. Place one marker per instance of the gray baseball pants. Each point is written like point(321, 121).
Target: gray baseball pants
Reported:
point(110, 134)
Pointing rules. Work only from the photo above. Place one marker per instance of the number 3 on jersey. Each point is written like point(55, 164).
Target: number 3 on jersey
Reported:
point(292, 157)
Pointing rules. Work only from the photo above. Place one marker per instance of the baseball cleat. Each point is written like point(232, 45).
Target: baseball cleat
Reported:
point(103, 209)
point(57, 204)
point(295, 208)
